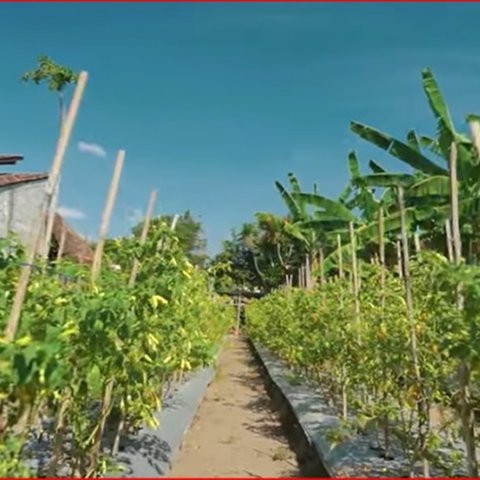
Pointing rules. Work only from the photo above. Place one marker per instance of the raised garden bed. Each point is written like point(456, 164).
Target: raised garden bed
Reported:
point(149, 453)
point(309, 410)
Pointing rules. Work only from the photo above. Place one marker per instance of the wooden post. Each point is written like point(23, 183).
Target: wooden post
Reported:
point(399, 259)
point(143, 237)
point(456, 239)
point(19, 298)
point(416, 240)
point(322, 269)
point(381, 252)
point(340, 256)
point(239, 312)
point(174, 222)
point(61, 245)
point(65, 132)
point(423, 408)
point(355, 288)
point(448, 235)
point(131, 284)
point(466, 407)
point(107, 213)
point(308, 283)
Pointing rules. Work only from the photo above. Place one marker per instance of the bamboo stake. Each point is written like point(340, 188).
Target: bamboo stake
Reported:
point(174, 222)
point(14, 318)
point(340, 256)
point(61, 246)
point(381, 252)
point(107, 213)
point(416, 240)
point(423, 408)
point(96, 267)
point(307, 272)
point(448, 233)
point(355, 275)
point(239, 311)
point(65, 132)
point(322, 269)
point(467, 412)
point(381, 259)
point(344, 379)
point(399, 259)
point(131, 284)
point(143, 237)
point(106, 403)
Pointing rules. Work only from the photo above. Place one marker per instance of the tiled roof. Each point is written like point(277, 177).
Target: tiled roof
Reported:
point(15, 178)
point(9, 159)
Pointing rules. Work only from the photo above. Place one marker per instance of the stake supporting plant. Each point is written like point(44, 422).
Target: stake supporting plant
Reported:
point(355, 289)
point(107, 213)
point(467, 412)
point(14, 318)
point(340, 256)
point(143, 237)
point(422, 405)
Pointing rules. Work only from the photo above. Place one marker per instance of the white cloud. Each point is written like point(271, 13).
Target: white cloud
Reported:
point(134, 216)
point(92, 148)
point(71, 213)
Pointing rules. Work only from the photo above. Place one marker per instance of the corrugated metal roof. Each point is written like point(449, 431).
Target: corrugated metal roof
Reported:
point(10, 159)
point(7, 179)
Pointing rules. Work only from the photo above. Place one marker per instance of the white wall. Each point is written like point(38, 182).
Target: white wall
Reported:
point(20, 208)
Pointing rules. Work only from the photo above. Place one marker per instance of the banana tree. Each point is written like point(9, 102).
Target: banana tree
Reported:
point(427, 187)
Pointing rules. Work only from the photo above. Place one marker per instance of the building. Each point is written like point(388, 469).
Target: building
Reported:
point(21, 198)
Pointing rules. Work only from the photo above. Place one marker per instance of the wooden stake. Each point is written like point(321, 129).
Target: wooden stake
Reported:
point(308, 284)
point(340, 256)
point(174, 222)
point(322, 270)
point(355, 275)
point(107, 213)
point(239, 311)
point(448, 234)
point(457, 244)
point(143, 237)
point(423, 408)
point(399, 259)
point(381, 252)
point(16, 311)
point(61, 246)
point(416, 240)
point(65, 133)
point(467, 412)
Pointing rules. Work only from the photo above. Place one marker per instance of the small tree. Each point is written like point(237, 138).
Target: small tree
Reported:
point(189, 233)
point(57, 77)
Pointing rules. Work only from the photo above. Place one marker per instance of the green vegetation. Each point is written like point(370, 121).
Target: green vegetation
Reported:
point(391, 336)
point(90, 355)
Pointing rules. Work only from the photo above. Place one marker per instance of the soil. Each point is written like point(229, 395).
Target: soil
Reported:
point(236, 433)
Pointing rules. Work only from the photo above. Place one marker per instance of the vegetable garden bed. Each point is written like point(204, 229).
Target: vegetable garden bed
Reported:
point(357, 456)
point(148, 452)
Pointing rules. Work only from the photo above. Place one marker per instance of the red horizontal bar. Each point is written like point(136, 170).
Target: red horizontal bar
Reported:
point(240, 1)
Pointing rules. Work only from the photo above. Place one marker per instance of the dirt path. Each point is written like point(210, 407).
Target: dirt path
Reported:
point(236, 434)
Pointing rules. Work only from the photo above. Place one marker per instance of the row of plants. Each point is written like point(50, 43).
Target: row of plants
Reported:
point(390, 336)
point(91, 361)
point(363, 362)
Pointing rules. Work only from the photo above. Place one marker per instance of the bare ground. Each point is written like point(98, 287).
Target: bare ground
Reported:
point(236, 433)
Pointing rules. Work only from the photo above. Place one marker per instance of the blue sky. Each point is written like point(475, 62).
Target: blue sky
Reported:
point(214, 102)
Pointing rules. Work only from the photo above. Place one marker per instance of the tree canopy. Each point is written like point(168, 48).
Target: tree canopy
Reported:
point(189, 232)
